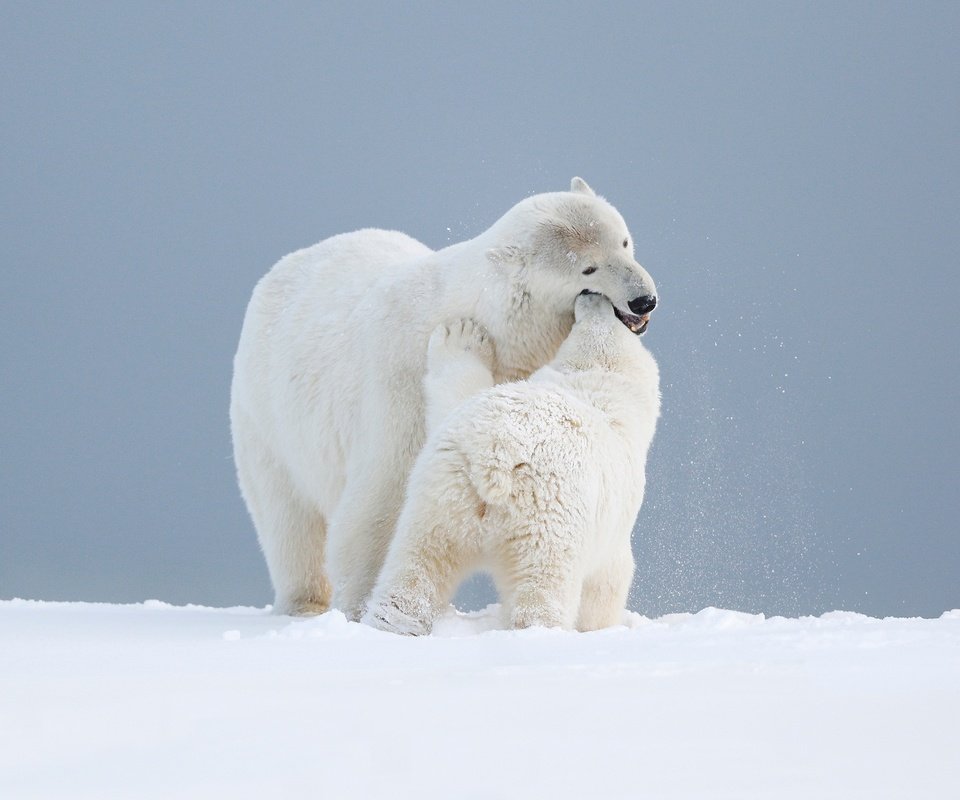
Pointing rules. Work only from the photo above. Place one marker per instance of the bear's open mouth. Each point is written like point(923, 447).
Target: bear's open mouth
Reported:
point(637, 325)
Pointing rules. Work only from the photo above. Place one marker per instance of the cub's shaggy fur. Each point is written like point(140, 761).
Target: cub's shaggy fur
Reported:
point(538, 481)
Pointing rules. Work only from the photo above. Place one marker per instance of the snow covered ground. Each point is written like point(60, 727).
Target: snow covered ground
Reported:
point(155, 701)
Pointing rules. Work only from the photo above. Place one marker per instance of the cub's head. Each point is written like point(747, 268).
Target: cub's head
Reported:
point(569, 242)
point(598, 338)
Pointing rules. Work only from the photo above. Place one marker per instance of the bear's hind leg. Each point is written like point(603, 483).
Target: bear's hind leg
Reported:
point(540, 578)
point(292, 535)
point(360, 534)
point(605, 593)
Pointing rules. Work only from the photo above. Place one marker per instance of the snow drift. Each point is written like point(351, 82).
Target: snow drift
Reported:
point(150, 701)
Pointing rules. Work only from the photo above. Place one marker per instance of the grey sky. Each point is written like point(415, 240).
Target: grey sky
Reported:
point(790, 173)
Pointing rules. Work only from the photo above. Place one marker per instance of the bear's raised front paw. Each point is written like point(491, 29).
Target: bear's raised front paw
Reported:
point(452, 340)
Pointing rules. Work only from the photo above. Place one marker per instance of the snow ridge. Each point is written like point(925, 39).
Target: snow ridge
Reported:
point(153, 700)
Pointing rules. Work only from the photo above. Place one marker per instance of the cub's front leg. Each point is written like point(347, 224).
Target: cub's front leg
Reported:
point(459, 365)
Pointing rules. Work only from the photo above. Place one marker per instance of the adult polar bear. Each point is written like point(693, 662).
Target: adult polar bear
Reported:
point(327, 406)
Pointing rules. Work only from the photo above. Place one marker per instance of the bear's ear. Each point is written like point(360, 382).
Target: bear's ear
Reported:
point(507, 254)
point(580, 186)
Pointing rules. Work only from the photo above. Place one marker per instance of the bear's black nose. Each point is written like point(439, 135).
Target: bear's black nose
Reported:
point(643, 304)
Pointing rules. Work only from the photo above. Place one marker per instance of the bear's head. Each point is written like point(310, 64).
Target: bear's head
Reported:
point(566, 242)
point(598, 340)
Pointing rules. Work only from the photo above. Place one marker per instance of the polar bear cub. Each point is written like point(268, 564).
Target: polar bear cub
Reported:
point(538, 482)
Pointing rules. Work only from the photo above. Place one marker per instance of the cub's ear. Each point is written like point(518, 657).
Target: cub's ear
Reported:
point(580, 186)
point(507, 254)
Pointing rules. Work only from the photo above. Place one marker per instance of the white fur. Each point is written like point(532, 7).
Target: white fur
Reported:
point(539, 481)
point(327, 408)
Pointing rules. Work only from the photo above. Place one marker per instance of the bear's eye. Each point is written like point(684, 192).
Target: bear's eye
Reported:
point(589, 270)
point(626, 242)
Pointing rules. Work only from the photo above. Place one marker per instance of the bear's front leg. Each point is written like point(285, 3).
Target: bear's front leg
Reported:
point(436, 541)
point(406, 608)
point(459, 365)
point(426, 561)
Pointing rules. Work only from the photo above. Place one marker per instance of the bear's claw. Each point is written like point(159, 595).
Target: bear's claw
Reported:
point(386, 616)
point(449, 342)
